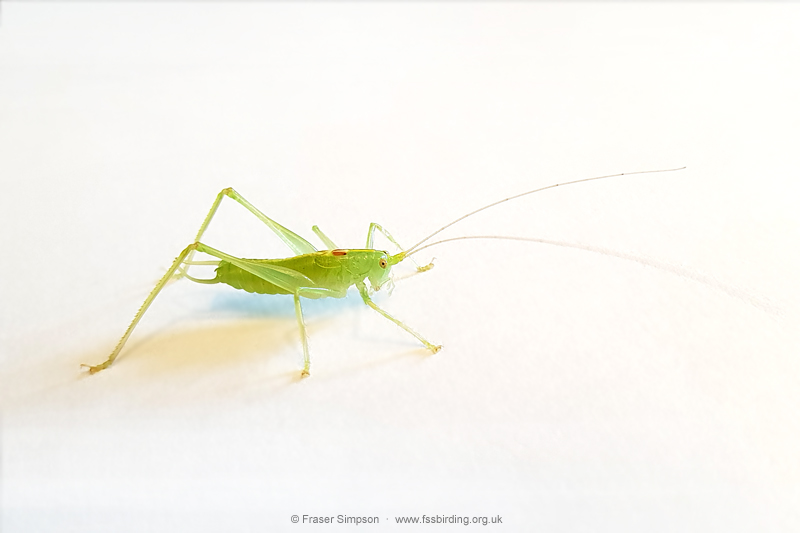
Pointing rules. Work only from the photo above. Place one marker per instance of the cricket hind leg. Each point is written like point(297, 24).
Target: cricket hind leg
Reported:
point(373, 227)
point(294, 241)
point(282, 277)
point(93, 369)
point(362, 289)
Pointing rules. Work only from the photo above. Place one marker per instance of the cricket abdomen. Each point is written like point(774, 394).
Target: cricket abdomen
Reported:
point(241, 279)
point(330, 270)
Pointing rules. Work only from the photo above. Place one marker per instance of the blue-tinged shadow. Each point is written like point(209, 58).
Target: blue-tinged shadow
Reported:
point(241, 303)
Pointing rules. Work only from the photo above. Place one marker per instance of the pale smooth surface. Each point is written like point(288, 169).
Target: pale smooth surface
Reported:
point(576, 391)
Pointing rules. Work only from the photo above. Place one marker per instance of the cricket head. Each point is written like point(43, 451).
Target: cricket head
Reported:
point(380, 265)
point(380, 269)
point(381, 274)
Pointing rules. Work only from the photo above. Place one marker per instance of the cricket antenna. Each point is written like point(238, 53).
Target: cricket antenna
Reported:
point(498, 237)
point(416, 248)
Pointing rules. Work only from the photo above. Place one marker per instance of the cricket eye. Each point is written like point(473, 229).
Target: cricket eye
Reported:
point(382, 263)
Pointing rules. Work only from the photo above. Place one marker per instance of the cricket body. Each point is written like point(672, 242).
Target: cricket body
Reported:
point(311, 273)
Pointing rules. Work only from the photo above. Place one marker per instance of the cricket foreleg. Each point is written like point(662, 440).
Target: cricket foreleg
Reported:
point(160, 285)
point(373, 227)
point(362, 289)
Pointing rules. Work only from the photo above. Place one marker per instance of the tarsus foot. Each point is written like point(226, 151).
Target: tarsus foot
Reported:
point(94, 369)
point(426, 267)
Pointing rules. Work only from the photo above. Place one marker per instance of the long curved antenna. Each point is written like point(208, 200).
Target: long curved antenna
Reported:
point(498, 237)
point(416, 248)
point(757, 301)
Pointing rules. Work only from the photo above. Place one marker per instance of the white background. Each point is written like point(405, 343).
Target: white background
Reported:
point(576, 391)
